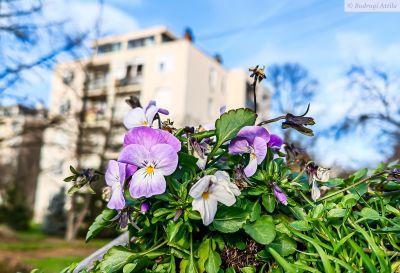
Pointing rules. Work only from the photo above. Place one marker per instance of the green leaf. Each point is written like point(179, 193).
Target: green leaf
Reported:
point(230, 219)
point(369, 265)
point(288, 267)
point(192, 266)
point(284, 245)
point(203, 252)
point(370, 214)
point(115, 259)
point(213, 262)
point(359, 174)
point(336, 213)
point(298, 212)
point(268, 201)
point(262, 230)
point(318, 211)
point(323, 256)
point(248, 269)
point(301, 225)
point(254, 210)
point(229, 124)
point(74, 188)
point(175, 231)
point(136, 266)
point(100, 223)
point(349, 200)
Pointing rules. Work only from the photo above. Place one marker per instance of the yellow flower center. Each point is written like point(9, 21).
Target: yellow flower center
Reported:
point(205, 195)
point(253, 156)
point(145, 123)
point(150, 169)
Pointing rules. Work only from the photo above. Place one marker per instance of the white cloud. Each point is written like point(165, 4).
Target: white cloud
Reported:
point(84, 15)
point(363, 48)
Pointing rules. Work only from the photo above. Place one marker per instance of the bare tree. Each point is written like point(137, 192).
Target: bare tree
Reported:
point(375, 107)
point(29, 41)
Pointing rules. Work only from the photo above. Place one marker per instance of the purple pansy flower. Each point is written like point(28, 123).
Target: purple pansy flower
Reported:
point(251, 140)
point(275, 142)
point(115, 178)
point(143, 117)
point(155, 153)
point(279, 194)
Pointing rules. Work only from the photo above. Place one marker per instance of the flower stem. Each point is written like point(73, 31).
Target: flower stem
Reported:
point(271, 120)
point(254, 94)
point(352, 186)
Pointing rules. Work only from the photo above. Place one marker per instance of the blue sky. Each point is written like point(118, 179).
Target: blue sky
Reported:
point(318, 34)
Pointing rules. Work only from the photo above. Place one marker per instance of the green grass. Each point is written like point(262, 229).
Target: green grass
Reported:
point(25, 245)
point(54, 264)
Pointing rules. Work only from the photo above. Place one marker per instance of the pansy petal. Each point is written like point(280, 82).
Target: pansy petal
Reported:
point(150, 113)
point(112, 172)
point(130, 169)
point(222, 194)
point(134, 154)
point(117, 200)
point(163, 111)
point(222, 176)
point(260, 149)
point(207, 209)
point(201, 162)
point(322, 174)
point(315, 192)
point(239, 145)
point(251, 168)
point(145, 185)
point(164, 157)
point(136, 117)
point(200, 187)
point(275, 141)
point(251, 132)
point(149, 137)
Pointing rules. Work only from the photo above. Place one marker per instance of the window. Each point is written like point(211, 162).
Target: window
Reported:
point(212, 79)
point(68, 77)
point(142, 42)
point(165, 38)
point(106, 48)
point(65, 106)
point(165, 64)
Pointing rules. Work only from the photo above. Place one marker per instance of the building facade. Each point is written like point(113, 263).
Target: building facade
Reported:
point(89, 96)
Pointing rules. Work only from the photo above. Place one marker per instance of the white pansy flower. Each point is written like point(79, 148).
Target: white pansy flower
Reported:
point(143, 117)
point(210, 190)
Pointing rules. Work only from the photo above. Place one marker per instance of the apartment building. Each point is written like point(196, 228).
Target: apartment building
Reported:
point(152, 64)
point(21, 139)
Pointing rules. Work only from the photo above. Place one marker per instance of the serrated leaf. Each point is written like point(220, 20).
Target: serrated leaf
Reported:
point(262, 230)
point(100, 223)
point(229, 124)
point(115, 259)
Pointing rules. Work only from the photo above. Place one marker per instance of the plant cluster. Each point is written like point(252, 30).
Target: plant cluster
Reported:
point(226, 200)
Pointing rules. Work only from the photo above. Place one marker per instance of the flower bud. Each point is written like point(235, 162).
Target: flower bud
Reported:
point(144, 207)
